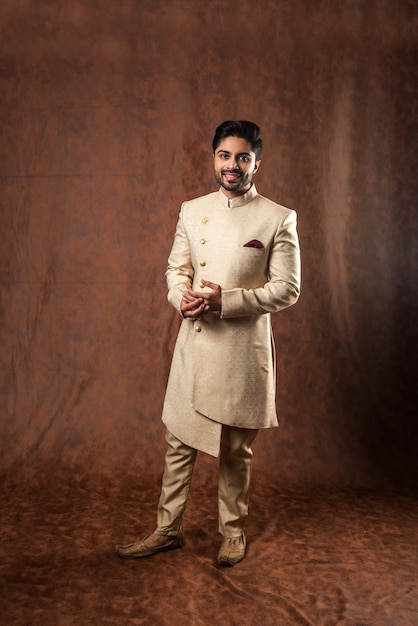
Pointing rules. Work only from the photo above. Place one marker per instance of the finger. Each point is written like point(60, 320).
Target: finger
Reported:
point(188, 298)
point(209, 284)
point(193, 295)
point(195, 312)
point(190, 304)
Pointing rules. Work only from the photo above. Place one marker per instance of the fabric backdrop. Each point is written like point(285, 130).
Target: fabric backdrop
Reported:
point(107, 114)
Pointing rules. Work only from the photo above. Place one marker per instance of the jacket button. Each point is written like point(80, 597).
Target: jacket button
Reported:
point(201, 285)
point(203, 263)
point(198, 328)
point(204, 220)
point(203, 240)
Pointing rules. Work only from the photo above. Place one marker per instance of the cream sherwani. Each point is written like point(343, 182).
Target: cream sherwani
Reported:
point(223, 367)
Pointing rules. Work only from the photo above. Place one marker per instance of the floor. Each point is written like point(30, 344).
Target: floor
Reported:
point(316, 556)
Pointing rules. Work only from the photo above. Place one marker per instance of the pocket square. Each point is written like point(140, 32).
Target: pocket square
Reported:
point(254, 243)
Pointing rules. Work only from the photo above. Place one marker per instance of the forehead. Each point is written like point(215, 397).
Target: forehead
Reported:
point(235, 145)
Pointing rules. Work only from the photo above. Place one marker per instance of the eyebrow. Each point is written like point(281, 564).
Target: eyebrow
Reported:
point(239, 153)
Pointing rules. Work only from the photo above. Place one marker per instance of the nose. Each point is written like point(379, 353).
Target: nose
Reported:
point(233, 163)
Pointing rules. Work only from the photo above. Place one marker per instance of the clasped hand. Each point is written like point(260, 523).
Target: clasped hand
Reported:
point(195, 304)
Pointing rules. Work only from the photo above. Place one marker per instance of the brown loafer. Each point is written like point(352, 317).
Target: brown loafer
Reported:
point(138, 549)
point(232, 551)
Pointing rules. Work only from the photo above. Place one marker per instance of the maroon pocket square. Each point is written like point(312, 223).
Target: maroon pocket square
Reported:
point(254, 243)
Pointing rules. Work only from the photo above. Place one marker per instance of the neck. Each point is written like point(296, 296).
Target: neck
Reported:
point(235, 194)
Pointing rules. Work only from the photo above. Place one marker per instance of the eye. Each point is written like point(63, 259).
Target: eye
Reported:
point(244, 158)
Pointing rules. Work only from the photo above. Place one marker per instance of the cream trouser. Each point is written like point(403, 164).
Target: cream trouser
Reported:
point(235, 461)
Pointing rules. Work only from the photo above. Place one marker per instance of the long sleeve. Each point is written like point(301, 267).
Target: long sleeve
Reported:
point(283, 286)
point(180, 272)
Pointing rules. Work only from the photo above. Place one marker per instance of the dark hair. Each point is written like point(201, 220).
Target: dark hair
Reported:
point(239, 128)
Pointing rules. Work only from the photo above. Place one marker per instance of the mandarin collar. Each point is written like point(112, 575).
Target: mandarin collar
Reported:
point(233, 203)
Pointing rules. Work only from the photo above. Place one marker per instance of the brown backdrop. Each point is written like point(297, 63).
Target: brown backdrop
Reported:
point(107, 114)
point(108, 110)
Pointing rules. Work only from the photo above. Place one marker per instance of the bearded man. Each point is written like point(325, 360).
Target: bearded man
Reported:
point(235, 261)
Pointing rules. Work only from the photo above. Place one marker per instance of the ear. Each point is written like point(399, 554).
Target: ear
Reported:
point(256, 166)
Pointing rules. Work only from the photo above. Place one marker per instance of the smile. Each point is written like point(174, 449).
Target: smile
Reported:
point(232, 175)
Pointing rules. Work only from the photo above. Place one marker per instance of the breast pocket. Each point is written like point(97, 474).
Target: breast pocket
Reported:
point(250, 266)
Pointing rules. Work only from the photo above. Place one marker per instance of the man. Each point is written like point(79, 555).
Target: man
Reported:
point(235, 260)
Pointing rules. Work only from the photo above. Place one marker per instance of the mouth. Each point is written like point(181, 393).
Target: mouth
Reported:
point(231, 176)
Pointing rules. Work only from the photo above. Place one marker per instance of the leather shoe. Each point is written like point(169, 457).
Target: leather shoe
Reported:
point(138, 549)
point(232, 551)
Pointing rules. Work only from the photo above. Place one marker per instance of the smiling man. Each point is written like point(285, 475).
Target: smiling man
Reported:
point(235, 260)
point(235, 164)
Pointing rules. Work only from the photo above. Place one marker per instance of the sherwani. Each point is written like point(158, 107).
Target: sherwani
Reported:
point(223, 366)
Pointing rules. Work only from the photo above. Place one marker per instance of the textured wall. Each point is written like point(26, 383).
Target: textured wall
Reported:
point(107, 114)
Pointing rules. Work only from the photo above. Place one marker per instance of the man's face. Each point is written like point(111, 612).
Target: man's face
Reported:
point(235, 164)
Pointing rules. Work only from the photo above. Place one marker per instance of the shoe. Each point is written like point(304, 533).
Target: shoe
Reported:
point(138, 549)
point(232, 551)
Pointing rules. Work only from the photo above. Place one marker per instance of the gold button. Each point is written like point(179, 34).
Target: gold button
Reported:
point(201, 285)
point(198, 328)
point(203, 240)
point(204, 220)
point(203, 263)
